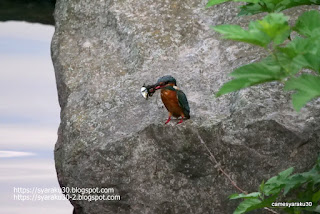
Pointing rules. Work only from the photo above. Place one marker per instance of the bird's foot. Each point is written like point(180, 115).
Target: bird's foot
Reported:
point(168, 120)
point(180, 121)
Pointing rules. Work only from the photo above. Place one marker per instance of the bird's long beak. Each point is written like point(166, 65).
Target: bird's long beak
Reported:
point(159, 86)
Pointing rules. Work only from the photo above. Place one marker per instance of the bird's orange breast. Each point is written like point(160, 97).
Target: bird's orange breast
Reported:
point(170, 100)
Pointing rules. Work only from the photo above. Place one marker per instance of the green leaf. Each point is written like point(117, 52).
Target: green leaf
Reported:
point(316, 197)
point(250, 204)
point(252, 74)
point(294, 182)
point(275, 184)
point(272, 6)
point(307, 87)
point(290, 66)
point(260, 7)
point(308, 24)
point(251, 9)
point(247, 205)
point(215, 2)
point(261, 187)
point(311, 177)
point(273, 27)
point(276, 26)
point(235, 32)
point(241, 195)
point(284, 174)
point(302, 53)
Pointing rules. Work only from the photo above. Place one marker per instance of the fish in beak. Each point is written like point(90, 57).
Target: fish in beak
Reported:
point(144, 92)
point(148, 91)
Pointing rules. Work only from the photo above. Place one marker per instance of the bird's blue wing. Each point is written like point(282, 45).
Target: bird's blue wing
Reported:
point(183, 102)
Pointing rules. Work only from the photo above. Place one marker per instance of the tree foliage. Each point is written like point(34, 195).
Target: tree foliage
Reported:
point(287, 57)
point(270, 6)
point(294, 62)
point(305, 187)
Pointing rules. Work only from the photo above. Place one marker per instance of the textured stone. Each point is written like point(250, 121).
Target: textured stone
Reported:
point(110, 136)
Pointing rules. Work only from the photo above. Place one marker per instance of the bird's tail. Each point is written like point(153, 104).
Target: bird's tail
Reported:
point(186, 115)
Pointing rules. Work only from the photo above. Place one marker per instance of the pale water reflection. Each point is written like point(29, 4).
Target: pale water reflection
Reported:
point(18, 175)
point(29, 119)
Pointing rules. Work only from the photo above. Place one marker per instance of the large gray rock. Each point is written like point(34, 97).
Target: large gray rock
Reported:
point(104, 51)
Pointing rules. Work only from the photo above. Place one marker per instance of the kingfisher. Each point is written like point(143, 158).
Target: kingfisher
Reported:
point(173, 98)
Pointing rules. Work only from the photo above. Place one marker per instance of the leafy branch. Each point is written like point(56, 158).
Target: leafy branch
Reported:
point(284, 60)
point(270, 6)
point(243, 194)
point(283, 184)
